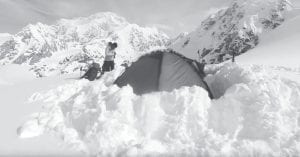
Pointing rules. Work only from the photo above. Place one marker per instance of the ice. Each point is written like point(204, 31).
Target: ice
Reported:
point(256, 113)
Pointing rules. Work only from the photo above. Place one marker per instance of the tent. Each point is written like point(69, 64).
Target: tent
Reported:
point(162, 71)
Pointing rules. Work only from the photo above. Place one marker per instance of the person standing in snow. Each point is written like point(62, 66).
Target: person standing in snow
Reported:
point(233, 57)
point(110, 55)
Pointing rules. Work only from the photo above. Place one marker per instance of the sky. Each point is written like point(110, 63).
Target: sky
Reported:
point(170, 16)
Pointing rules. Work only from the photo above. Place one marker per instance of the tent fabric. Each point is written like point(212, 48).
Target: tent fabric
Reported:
point(142, 75)
point(175, 73)
point(161, 71)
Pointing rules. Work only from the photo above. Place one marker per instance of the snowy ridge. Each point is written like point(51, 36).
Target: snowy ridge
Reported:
point(71, 44)
point(4, 37)
point(256, 113)
point(177, 39)
point(280, 46)
point(236, 29)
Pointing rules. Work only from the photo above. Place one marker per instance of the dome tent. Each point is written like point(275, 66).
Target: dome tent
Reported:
point(162, 71)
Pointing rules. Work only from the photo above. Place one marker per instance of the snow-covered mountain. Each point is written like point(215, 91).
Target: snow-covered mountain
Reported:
point(72, 43)
point(235, 29)
point(178, 38)
point(280, 47)
point(4, 37)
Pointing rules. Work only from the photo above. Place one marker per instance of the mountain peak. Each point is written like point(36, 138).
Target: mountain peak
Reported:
point(235, 29)
point(4, 37)
point(71, 43)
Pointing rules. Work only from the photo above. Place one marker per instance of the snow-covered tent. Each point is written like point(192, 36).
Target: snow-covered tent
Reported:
point(162, 71)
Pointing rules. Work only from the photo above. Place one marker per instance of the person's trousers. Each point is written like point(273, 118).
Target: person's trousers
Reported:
point(108, 66)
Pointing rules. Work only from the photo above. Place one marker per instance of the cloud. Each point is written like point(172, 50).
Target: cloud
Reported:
point(162, 27)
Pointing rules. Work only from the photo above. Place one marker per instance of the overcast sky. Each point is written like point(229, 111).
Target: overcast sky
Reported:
point(172, 16)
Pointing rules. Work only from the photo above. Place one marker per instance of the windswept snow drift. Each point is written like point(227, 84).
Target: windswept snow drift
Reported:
point(257, 114)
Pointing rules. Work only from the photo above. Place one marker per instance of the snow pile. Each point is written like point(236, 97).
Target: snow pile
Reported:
point(256, 114)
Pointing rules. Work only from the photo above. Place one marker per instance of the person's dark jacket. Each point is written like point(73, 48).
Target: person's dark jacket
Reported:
point(92, 73)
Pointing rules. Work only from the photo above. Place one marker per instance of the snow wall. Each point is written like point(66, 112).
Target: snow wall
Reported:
point(256, 114)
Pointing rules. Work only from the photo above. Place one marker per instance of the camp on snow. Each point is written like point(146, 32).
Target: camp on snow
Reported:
point(162, 71)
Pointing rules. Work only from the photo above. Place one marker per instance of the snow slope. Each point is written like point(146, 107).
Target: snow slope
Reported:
point(255, 113)
point(279, 47)
point(16, 85)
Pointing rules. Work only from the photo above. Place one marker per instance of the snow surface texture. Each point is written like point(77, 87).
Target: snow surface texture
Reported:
point(256, 113)
point(17, 84)
point(72, 43)
point(235, 29)
point(20, 74)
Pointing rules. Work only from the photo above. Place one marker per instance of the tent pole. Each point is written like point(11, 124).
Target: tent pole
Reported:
point(199, 58)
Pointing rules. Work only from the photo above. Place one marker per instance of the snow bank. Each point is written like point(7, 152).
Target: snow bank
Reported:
point(259, 110)
point(256, 114)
